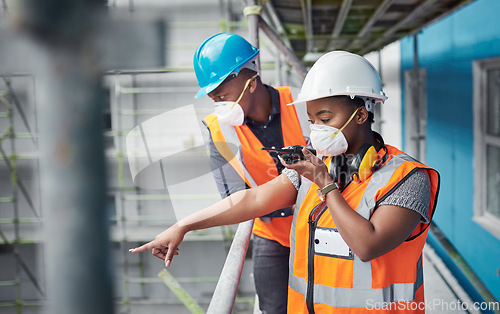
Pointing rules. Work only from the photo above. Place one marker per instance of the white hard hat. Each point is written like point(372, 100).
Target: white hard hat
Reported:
point(342, 73)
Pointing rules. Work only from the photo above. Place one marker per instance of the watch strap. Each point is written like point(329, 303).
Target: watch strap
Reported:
point(330, 187)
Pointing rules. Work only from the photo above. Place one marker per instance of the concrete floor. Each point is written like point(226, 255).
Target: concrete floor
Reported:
point(443, 294)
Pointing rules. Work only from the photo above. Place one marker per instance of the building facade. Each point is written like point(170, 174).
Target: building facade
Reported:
point(459, 66)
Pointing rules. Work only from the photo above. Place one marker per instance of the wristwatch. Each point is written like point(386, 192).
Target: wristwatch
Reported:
point(328, 188)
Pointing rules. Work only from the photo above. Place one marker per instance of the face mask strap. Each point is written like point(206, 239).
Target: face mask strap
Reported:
point(345, 124)
point(244, 89)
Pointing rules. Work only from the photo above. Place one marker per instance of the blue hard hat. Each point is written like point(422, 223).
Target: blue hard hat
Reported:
point(219, 56)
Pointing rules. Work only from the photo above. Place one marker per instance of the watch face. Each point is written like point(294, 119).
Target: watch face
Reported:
point(321, 196)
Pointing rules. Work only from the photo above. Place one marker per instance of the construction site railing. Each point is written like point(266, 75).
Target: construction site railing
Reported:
point(226, 289)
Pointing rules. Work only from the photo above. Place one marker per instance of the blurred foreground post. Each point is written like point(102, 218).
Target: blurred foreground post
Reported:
point(67, 45)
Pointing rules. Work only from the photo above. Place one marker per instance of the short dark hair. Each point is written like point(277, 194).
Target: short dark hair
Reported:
point(355, 103)
point(248, 73)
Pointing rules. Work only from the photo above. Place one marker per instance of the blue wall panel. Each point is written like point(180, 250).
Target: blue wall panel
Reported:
point(446, 50)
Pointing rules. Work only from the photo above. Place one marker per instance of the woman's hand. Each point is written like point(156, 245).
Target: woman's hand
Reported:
point(165, 245)
point(313, 168)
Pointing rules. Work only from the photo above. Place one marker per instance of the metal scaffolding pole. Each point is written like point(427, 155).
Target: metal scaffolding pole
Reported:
point(73, 165)
point(255, 21)
point(225, 292)
point(416, 98)
point(227, 286)
point(69, 46)
point(287, 52)
point(415, 108)
point(252, 12)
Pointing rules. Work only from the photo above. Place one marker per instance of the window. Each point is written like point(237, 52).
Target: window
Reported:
point(487, 144)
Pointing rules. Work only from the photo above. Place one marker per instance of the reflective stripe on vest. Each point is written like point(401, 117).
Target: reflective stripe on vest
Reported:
point(346, 297)
point(230, 135)
point(304, 188)
point(362, 271)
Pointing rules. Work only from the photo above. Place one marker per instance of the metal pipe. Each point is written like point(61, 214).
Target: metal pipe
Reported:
point(15, 204)
point(416, 98)
point(273, 16)
point(422, 7)
point(182, 294)
point(253, 29)
point(225, 292)
point(290, 57)
point(459, 268)
point(306, 7)
point(74, 187)
point(73, 173)
point(381, 9)
point(345, 7)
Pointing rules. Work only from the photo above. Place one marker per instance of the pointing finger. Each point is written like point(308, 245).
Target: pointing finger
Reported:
point(142, 248)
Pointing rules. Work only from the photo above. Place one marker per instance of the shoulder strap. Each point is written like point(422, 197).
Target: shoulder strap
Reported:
point(222, 135)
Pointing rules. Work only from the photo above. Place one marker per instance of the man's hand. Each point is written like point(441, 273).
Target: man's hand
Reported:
point(165, 245)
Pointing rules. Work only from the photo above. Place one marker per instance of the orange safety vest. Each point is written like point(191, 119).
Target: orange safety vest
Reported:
point(341, 283)
point(256, 166)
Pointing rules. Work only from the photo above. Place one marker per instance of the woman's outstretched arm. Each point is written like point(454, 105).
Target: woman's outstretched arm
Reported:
point(241, 206)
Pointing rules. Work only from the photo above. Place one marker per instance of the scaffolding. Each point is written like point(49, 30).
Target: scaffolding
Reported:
point(140, 211)
point(136, 214)
point(21, 213)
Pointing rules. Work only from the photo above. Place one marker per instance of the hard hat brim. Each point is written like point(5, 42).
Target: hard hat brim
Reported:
point(211, 87)
point(205, 90)
point(298, 101)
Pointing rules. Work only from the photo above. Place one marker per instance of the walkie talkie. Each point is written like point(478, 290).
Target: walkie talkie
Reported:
point(291, 154)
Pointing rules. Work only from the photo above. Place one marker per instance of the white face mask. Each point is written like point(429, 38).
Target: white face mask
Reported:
point(229, 112)
point(328, 140)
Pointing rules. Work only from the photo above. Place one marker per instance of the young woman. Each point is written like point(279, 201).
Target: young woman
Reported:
point(361, 212)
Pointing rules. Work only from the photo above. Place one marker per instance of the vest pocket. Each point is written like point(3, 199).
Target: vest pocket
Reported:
point(329, 242)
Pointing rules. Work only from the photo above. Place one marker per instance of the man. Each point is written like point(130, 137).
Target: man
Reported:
point(361, 214)
point(249, 115)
